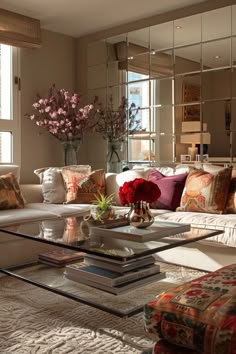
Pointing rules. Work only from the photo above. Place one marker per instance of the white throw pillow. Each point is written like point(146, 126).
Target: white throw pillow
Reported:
point(53, 187)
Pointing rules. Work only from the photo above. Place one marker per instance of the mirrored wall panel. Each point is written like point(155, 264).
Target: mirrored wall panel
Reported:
point(182, 76)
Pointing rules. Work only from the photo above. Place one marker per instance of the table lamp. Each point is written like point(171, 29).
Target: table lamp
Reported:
point(194, 138)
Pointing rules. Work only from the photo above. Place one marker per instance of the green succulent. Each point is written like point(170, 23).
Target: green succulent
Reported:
point(103, 205)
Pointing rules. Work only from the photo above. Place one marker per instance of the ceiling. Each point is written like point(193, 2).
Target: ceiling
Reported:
point(81, 17)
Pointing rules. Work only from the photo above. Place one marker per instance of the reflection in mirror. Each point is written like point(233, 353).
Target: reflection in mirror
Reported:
point(162, 64)
point(114, 75)
point(216, 54)
point(187, 30)
point(187, 89)
point(216, 24)
point(141, 148)
point(216, 84)
point(165, 149)
point(139, 64)
point(163, 119)
point(188, 59)
point(140, 40)
point(163, 91)
point(231, 120)
point(219, 150)
point(178, 72)
point(161, 36)
point(138, 91)
point(114, 44)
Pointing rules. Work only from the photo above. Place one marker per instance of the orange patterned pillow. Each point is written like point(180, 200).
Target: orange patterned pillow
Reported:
point(91, 185)
point(81, 188)
point(231, 202)
point(10, 194)
point(206, 192)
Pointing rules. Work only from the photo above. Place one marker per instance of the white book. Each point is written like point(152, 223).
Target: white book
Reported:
point(116, 290)
point(116, 267)
point(156, 231)
point(109, 277)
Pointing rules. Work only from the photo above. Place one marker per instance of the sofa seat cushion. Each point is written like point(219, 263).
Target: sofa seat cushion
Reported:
point(225, 222)
point(163, 347)
point(60, 210)
point(199, 315)
point(18, 216)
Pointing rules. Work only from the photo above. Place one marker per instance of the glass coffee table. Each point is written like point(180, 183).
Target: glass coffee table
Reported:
point(66, 233)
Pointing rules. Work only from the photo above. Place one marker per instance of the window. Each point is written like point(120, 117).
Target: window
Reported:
point(9, 105)
point(138, 92)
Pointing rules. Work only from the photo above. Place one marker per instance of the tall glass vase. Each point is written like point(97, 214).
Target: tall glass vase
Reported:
point(114, 156)
point(71, 147)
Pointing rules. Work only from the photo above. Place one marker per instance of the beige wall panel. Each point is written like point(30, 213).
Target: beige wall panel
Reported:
point(40, 68)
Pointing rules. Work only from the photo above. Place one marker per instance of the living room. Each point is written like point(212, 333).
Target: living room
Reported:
point(72, 55)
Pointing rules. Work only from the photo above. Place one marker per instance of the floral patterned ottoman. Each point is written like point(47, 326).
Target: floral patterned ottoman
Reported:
point(199, 315)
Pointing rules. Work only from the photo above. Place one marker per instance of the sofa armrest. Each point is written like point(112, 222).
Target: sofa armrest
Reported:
point(32, 193)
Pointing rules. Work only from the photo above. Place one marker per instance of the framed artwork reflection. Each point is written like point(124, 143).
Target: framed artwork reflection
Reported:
point(185, 158)
point(191, 94)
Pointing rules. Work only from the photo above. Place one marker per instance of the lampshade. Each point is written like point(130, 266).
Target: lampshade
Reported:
point(196, 138)
point(193, 126)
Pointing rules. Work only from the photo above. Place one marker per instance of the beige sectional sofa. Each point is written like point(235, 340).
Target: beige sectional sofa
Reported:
point(208, 254)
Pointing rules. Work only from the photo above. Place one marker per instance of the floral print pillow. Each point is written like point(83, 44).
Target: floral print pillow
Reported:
point(199, 315)
point(10, 194)
point(206, 192)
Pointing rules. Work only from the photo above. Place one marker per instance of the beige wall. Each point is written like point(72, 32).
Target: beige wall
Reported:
point(40, 68)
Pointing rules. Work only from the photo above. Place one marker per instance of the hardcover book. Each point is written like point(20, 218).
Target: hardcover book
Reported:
point(109, 277)
point(61, 256)
point(156, 231)
point(120, 267)
point(117, 290)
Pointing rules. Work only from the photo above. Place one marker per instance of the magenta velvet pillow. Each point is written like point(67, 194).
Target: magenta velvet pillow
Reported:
point(171, 189)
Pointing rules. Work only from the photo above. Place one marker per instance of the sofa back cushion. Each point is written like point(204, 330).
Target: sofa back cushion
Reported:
point(206, 192)
point(10, 194)
point(53, 187)
point(114, 181)
point(171, 188)
point(15, 169)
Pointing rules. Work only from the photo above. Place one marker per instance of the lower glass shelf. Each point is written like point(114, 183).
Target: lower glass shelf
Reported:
point(124, 305)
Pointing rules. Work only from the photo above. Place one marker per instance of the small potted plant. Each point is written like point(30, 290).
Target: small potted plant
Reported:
point(102, 207)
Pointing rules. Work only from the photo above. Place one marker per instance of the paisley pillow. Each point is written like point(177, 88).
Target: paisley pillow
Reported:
point(206, 192)
point(10, 194)
point(81, 188)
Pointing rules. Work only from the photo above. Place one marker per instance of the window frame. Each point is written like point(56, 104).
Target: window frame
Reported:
point(12, 125)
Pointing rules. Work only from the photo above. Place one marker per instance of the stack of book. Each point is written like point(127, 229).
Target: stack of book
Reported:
point(61, 257)
point(114, 276)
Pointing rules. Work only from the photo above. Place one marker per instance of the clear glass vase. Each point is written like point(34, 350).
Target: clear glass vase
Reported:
point(71, 148)
point(114, 156)
point(140, 215)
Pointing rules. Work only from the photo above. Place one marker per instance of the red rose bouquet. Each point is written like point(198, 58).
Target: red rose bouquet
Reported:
point(138, 190)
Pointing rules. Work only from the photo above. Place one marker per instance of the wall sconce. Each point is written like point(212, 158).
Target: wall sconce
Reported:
point(194, 136)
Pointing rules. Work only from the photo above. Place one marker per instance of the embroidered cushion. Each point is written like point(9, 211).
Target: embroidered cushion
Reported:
point(206, 192)
point(163, 347)
point(171, 188)
point(231, 202)
point(10, 194)
point(199, 315)
point(81, 188)
point(53, 187)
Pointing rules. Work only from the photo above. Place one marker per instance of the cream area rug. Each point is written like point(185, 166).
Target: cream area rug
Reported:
point(35, 321)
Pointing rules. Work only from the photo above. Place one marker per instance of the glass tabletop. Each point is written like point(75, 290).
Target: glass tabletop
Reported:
point(67, 233)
